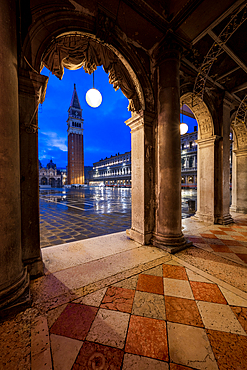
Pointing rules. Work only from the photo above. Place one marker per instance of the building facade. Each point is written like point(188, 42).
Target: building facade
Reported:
point(189, 159)
point(49, 175)
point(75, 142)
point(113, 171)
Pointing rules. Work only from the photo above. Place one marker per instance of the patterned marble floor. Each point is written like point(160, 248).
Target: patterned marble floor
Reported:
point(108, 303)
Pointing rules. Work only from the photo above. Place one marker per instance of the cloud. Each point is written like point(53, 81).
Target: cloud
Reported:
point(51, 140)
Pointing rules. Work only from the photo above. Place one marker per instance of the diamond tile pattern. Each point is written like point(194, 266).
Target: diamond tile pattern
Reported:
point(178, 321)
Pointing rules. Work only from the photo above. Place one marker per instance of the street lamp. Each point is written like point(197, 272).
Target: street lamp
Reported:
point(93, 97)
point(183, 126)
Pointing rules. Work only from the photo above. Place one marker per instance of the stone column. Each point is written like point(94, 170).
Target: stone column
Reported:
point(31, 91)
point(206, 179)
point(141, 125)
point(239, 180)
point(13, 277)
point(222, 167)
point(168, 234)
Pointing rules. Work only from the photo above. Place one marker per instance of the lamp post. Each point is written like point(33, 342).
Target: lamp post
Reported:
point(93, 97)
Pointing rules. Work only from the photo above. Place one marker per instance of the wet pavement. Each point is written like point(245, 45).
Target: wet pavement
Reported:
point(68, 215)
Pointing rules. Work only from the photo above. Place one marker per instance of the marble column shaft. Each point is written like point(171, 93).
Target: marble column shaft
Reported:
point(142, 176)
point(222, 167)
point(239, 180)
point(168, 234)
point(31, 86)
point(13, 276)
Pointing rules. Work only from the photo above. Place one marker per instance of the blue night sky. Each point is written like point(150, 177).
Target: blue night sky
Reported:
point(105, 132)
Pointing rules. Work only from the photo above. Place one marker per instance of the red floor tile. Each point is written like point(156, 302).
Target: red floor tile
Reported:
point(97, 356)
point(220, 248)
point(218, 232)
point(150, 284)
point(174, 272)
point(147, 337)
point(118, 299)
point(230, 350)
point(243, 233)
point(179, 367)
point(239, 237)
point(182, 311)
point(194, 239)
point(241, 314)
point(209, 236)
point(207, 292)
point(75, 321)
point(230, 242)
point(243, 257)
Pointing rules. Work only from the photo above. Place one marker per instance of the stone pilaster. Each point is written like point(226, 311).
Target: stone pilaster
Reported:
point(142, 174)
point(14, 279)
point(239, 180)
point(168, 229)
point(222, 167)
point(206, 179)
point(31, 92)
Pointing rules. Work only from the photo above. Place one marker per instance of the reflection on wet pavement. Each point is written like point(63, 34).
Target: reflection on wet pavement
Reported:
point(68, 215)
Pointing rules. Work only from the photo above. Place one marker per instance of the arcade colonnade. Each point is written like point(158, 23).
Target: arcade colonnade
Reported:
point(155, 136)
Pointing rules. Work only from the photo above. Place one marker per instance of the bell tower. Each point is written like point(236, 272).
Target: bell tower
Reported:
point(75, 141)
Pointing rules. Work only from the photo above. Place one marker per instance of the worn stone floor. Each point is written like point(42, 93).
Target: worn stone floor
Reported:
point(110, 303)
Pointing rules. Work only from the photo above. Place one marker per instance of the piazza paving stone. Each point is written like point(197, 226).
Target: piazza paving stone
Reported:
point(174, 272)
point(118, 299)
point(149, 305)
point(135, 362)
point(109, 328)
point(207, 292)
point(150, 284)
point(183, 311)
point(230, 350)
point(97, 356)
point(241, 314)
point(219, 317)
point(147, 337)
point(64, 351)
point(177, 288)
point(189, 346)
point(75, 321)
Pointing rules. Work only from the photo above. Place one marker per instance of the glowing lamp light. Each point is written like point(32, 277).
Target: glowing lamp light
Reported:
point(183, 128)
point(93, 98)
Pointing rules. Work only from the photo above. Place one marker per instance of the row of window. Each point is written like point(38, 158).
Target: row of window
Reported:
point(76, 124)
point(123, 171)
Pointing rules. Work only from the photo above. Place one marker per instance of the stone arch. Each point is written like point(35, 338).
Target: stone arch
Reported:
point(48, 31)
point(206, 157)
point(201, 113)
point(239, 165)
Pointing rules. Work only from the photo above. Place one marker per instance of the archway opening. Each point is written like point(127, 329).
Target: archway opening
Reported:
point(103, 203)
point(188, 162)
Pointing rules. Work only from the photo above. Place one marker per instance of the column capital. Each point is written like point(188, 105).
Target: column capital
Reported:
point(32, 88)
point(170, 47)
point(138, 120)
point(208, 141)
point(34, 84)
point(240, 152)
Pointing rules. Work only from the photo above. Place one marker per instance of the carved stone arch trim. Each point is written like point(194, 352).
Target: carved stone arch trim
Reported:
point(48, 27)
point(76, 50)
point(201, 113)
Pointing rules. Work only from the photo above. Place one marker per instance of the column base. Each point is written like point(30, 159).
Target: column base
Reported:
point(224, 220)
point(171, 244)
point(20, 304)
point(203, 217)
point(238, 209)
point(138, 237)
point(16, 294)
point(35, 267)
